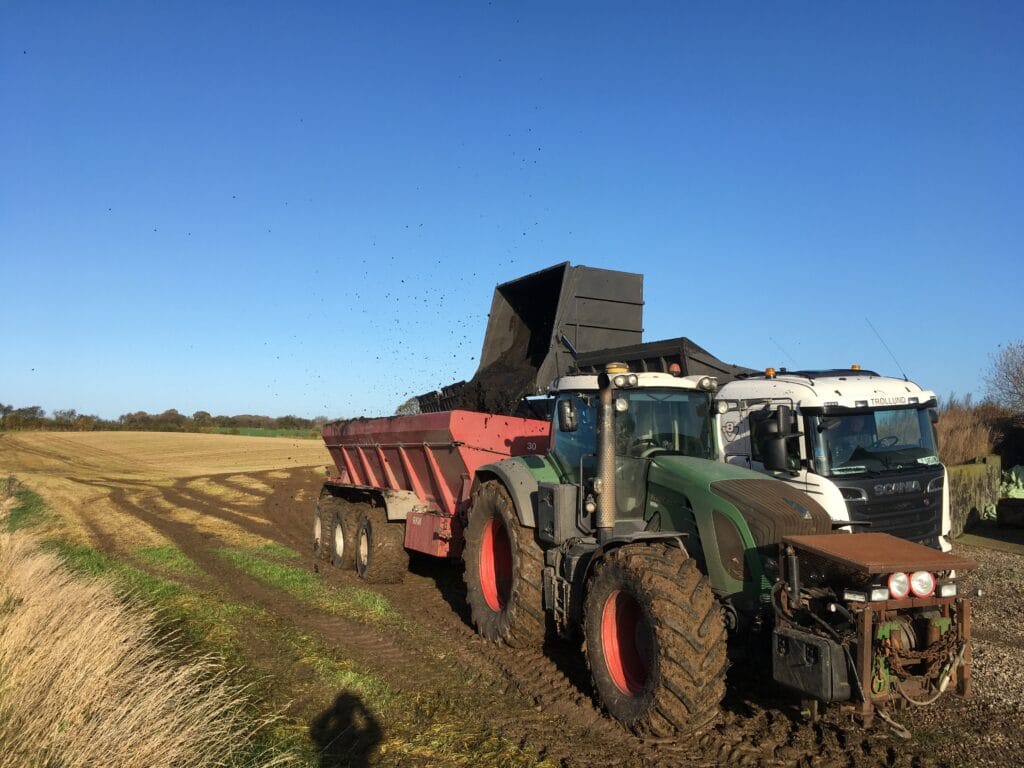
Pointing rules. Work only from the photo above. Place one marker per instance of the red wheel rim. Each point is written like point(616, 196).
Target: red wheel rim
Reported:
point(496, 565)
point(626, 640)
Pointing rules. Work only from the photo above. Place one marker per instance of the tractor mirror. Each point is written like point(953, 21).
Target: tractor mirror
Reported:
point(568, 416)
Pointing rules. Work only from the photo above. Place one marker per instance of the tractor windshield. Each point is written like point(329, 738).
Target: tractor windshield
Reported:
point(663, 420)
point(886, 440)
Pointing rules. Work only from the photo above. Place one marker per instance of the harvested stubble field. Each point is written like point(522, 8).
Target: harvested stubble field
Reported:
point(215, 531)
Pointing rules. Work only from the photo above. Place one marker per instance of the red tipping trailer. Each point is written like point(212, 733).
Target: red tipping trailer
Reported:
point(418, 469)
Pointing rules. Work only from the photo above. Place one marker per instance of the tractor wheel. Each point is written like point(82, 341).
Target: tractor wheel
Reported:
point(380, 548)
point(655, 641)
point(340, 536)
point(503, 571)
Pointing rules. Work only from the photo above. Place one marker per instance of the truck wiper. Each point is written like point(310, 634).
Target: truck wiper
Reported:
point(843, 523)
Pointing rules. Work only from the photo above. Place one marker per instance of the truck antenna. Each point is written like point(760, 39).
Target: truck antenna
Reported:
point(773, 341)
point(905, 378)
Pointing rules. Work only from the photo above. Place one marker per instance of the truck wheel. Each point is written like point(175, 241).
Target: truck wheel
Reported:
point(380, 548)
point(655, 640)
point(503, 571)
point(340, 539)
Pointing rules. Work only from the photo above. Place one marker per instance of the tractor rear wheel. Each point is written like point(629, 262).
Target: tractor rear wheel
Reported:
point(503, 571)
point(380, 548)
point(655, 640)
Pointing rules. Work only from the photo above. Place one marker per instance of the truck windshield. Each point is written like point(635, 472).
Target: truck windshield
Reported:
point(870, 442)
point(664, 420)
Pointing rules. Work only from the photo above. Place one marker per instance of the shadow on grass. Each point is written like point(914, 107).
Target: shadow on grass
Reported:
point(346, 734)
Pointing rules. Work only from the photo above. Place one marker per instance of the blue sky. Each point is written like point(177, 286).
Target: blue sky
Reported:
point(304, 208)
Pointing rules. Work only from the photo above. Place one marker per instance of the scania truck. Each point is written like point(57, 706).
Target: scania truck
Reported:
point(861, 444)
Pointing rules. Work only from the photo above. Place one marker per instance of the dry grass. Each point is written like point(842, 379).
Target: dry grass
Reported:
point(964, 431)
point(83, 683)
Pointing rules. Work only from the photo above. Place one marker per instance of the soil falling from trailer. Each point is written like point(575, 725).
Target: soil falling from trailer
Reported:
point(499, 387)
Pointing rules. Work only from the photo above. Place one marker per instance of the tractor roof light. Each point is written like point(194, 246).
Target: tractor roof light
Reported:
point(625, 381)
point(899, 585)
point(922, 584)
point(707, 383)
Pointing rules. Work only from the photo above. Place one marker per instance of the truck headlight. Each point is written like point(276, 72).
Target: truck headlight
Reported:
point(879, 594)
point(899, 585)
point(947, 590)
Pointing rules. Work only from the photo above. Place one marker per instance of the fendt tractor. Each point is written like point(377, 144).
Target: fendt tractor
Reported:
point(614, 520)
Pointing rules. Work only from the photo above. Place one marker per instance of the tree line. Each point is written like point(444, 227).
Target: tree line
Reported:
point(69, 420)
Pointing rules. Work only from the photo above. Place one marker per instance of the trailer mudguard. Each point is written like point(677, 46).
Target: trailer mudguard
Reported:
point(521, 476)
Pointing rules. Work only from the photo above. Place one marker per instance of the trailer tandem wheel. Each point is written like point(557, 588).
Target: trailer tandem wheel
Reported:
point(655, 640)
point(321, 526)
point(380, 547)
point(503, 571)
point(340, 536)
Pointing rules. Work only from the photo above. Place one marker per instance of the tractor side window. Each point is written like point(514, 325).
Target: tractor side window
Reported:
point(575, 448)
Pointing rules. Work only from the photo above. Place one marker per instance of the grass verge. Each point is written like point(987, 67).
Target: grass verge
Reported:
point(28, 511)
point(351, 602)
point(98, 690)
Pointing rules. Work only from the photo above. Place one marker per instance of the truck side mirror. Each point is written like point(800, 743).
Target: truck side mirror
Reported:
point(933, 414)
point(773, 447)
point(784, 417)
point(568, 416)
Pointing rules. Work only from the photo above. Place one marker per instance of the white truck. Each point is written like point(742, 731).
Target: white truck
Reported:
point(861, 444)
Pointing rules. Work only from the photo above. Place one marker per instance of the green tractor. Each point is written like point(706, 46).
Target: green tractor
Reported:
point(630, 533)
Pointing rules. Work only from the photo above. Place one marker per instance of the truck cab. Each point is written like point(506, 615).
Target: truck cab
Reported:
point(861, 444)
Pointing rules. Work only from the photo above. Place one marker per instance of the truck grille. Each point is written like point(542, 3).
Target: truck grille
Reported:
point(907, 518)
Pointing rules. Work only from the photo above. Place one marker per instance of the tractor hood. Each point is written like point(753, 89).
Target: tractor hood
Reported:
point(771, 509)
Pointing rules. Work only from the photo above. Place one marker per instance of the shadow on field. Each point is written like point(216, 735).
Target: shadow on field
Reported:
point(346, 734)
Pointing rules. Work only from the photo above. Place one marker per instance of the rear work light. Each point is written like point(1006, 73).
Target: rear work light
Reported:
point(899, 586)
point(922, 583)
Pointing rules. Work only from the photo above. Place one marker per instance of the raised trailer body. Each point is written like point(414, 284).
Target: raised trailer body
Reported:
point(421, 467)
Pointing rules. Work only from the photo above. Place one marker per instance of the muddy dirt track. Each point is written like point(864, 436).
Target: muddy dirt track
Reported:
point(539, 700)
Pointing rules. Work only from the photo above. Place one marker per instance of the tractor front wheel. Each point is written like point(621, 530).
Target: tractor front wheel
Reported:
point(655, 640)
point(503, 571)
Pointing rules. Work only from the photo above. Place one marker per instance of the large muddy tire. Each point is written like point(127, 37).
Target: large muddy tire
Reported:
point(380, 548)
point(340, 541)
point(655, 641)
point(323, 515)
point(319, 532)
point(503, 571)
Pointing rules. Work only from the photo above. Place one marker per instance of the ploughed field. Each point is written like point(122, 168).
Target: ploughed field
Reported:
point(394, 674)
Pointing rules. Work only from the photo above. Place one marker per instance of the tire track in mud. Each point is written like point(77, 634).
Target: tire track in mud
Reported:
point(391, 655)
point(455, 664)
